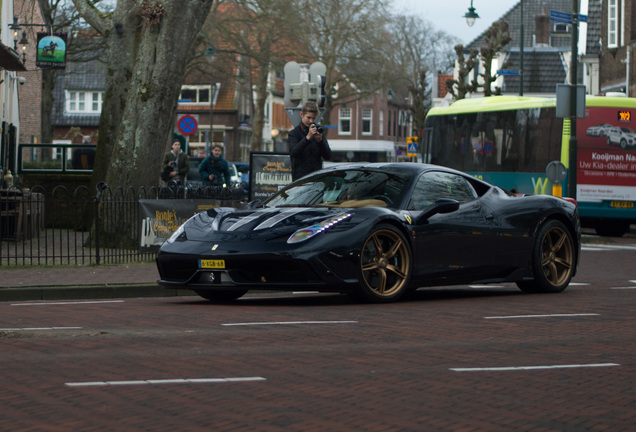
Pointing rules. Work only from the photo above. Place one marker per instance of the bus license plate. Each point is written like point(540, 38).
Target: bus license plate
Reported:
point(622, 204)
point(211, 264)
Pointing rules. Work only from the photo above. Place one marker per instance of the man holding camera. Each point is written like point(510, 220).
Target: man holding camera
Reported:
point(175, 164)
point(307, 145)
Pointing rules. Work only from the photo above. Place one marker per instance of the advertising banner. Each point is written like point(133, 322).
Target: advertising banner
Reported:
point(606, 155)
point(269, 173)
point(51, 53)
point(160, 218)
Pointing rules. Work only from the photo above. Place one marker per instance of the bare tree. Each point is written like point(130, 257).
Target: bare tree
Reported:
point(348, 36)
point(258, 32)
point(497, 36)
point(82, 46)
point(462, 85)
point(148, 47)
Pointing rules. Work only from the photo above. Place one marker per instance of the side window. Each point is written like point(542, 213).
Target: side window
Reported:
point(435, 185)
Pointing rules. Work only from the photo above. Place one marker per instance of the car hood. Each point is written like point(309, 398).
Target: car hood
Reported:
point(266, 222)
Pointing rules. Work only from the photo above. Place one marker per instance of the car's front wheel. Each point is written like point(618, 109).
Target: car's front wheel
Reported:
point(623, 143)
point(385, 265)
point(220, 296)
point(553, 260)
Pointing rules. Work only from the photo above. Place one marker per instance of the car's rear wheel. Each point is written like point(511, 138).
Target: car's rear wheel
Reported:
point(385, 265)
point(553, 260)
point(220, 296)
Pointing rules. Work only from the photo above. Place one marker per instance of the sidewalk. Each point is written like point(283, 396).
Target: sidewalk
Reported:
point(105, 281)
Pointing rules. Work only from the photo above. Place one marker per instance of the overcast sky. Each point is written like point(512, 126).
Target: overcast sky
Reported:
point(448, 15)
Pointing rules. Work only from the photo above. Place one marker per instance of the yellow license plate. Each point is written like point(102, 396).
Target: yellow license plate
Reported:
point(622, 204)
point(211, 264)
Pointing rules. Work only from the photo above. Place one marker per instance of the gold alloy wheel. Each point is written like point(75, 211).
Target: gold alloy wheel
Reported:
point(557, 256)
point(385, 263)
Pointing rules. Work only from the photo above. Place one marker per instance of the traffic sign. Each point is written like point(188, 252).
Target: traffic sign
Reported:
point(187, 124)
point(559, 16)
point(564, 17)
point(507, 72)
point(411, 150)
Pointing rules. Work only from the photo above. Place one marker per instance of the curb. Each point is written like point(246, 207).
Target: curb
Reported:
point(90, 292)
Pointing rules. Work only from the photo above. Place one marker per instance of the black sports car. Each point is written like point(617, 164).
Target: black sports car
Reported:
point(376, 231)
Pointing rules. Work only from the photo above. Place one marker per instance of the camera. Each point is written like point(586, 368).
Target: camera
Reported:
point(319, 127)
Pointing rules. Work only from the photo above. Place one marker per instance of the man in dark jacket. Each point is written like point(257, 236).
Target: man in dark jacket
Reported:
point(214, 169)
point(175, 164)
point(307, 146)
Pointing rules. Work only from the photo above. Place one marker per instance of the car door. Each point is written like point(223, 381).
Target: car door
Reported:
point(455, 244)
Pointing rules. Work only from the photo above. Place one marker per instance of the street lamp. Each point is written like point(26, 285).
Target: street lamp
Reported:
point(210, 55)
point(471, 15)
point(16, 26)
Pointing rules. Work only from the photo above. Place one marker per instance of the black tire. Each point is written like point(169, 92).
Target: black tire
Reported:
point(220, 296)
point(623, 143)
point(385, 265)
point(612, 229)
point(553, 260)
point(609, 141)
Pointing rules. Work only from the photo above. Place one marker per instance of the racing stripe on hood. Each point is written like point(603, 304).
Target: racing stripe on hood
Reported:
point(250, 218)
point(286, 213)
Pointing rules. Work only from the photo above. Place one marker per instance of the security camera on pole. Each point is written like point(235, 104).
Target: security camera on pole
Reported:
point(311, 87)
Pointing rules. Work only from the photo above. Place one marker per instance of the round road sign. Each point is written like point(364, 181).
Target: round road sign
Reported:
point(187, 124)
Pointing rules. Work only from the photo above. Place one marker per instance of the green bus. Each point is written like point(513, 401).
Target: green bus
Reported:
point(510, 140)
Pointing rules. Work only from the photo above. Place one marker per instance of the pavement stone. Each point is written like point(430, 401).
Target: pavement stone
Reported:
point(80, 282)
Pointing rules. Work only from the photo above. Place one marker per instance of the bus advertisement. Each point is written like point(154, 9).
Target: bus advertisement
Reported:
point(510, 140)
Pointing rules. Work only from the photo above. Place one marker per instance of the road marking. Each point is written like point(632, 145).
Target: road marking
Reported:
point(579, 283)
point(600, 247)
point(40, 328)
point(165, 381)
point(485, 286)
point(66, 303)
point(514, 368)
point(539, 316)
point(287, 323)
point(624, 288)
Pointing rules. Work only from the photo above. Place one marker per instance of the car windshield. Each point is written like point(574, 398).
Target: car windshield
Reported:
point(345, 188)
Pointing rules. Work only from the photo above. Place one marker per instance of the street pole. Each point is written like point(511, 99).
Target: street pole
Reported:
point(573, 103)
point(521, 53)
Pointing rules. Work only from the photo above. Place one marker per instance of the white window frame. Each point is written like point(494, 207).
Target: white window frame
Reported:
point(381, 124)
point(612, 24)
point(344, 115)
point(84, 101)
point(198, 88)
point(367, 121)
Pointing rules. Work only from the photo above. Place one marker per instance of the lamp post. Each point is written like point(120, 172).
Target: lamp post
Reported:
point(210, 55)
point(16, 26)
point(471, 15)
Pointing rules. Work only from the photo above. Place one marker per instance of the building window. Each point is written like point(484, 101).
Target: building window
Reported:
point(195, 94)
point(367, 121)
point(381, 124)
point(612, 23)
point(84, 102)
point(344, 121)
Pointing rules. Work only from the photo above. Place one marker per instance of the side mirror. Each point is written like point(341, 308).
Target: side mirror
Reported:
point(255, 204)
point(442, 205)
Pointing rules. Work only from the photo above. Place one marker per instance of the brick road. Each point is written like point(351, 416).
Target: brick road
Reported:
point(340, 367)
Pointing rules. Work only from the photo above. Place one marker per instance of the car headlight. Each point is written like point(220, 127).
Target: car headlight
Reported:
point(175, 235)
point(306, 233)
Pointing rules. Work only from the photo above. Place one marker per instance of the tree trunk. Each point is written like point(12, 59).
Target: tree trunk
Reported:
point(48, 85)
point(148, 48)
point(259, 107)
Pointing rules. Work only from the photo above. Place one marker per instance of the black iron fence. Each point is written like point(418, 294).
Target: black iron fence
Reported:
point(80, 227)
